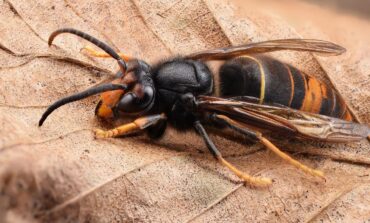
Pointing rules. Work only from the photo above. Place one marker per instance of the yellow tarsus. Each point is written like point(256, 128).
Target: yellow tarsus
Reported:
point(121, 130)
point(289, 159)
point(255, 181)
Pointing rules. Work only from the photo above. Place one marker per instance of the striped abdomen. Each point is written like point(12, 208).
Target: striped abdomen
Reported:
point(275, 82)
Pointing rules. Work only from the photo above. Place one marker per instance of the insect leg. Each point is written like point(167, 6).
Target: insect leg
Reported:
point(258, 136)
point(138, 124)
point(212, 148)
point(94, 53)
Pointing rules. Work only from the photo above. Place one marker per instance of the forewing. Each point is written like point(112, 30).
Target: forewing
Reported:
point(286, 120)
point(311, 45)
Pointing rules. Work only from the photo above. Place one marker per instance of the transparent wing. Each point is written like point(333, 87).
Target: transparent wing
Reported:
point(286, 120)
point(310, 45)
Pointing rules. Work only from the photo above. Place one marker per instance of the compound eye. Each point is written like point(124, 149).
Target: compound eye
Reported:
point(131, 103)
point(128, 103)
point(148, 96)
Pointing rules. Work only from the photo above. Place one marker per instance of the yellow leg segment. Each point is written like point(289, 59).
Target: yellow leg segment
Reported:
point(138, 124)
point(276, 150)
point(91, 52)
point(255, 181)
point(289, 159)
point(216, 154)
point(121, 130)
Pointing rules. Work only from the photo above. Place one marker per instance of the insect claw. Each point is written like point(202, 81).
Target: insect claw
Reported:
point(319, 173)
point(100, 134)
point(248, 179)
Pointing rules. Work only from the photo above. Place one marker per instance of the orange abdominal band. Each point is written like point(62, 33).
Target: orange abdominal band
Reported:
point(313, 96)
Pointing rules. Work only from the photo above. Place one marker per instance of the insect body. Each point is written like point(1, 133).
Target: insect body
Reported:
point(272, 81)
point(175, 79)
point(178, 92)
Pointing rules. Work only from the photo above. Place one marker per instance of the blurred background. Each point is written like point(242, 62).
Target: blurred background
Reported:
point(358, 7)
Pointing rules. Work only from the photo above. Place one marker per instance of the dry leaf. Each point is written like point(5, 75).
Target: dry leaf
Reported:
point(61, 173)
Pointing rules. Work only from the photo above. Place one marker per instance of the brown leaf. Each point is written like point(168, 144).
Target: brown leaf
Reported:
point(61, 173)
